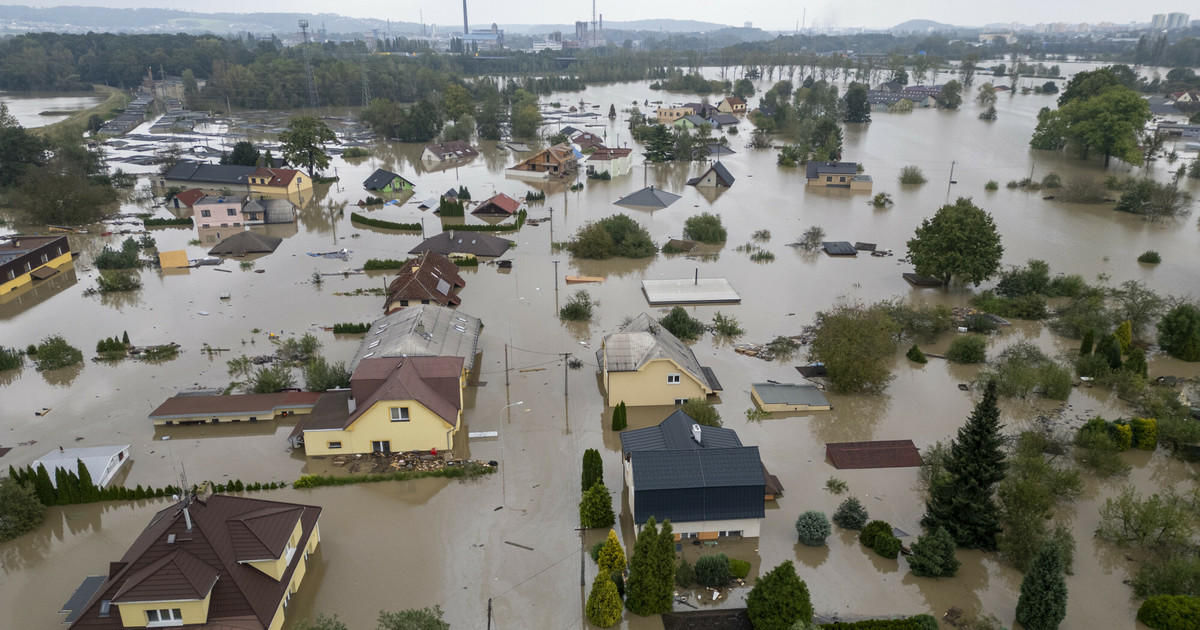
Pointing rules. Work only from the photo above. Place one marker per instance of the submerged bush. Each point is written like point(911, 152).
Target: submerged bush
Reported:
point(54, 352)
point(617, 235)
point(850, 514)
point(912, 175)
point(682, 325)
point(813, 528)
point(579, 307)
point(712, 570)
point(968, 349)
point(1150, 257)
point(705, 227)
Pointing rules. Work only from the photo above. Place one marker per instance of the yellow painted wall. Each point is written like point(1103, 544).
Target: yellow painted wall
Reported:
point(301, 568)
point(783, 407)
point(134, 615)
point(648, 386)
point(423, 431)
point(300, 183)
point(26, 278)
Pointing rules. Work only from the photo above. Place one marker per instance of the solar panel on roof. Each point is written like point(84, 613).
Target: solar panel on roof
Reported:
point(443, 287)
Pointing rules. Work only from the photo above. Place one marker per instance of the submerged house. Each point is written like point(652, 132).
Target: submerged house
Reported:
point(615, 162)
point(732, 105)
point(499, 204)
point(428, 278)
point(837, 175)
point(192, 409)
point(387, 182)
point(451, 151)
point(24, 259)
point(102, 462)
point(702, 479)
point(268, 210)
point(560, 160)
point(464, 244)
point(717, 176)
point(395, 404)
point(218, 211)
point(644, 364)
point(208, 562)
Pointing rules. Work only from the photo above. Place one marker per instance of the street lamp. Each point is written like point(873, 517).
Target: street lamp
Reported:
point(504, 464)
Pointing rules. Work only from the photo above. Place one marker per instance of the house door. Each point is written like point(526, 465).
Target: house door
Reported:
point(381, 446)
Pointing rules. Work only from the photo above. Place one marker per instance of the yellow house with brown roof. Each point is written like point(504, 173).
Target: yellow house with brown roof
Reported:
point(209, 561)
point(644, 364)
point(394, 405)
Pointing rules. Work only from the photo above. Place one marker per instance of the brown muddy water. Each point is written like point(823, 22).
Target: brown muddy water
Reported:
point(416, 544)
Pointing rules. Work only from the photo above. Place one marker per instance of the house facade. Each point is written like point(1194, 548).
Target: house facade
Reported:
point(668, 115)
point(394, 405)
point(615, 162)
point(217, 211)
point(644, 364)
point(278, 181)
point(24, 259)
point(558, 161)
point(702, 479)
point(387, 182)
point(428, 278)
point(209, 561)
point(837, 175)
point(451, 151)
point(717, 176)
point(732, 105)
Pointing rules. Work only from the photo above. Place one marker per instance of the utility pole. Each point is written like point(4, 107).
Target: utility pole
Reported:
point(489, 626)
point(308, 70)
point(505, 365)
point(1031, 171)
point(556, 284)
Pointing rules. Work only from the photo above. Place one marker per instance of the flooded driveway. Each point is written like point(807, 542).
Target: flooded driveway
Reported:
point(416, 544)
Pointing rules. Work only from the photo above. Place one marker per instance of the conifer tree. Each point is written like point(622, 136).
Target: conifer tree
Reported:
point(933, 555)
point(125, 338)
point(664, 568)
point(1124, 335)
point(612, 555)
point(43, 486)
point(604, 602)
point(962, 497)
point(1089, 340)
point(595, 508)
point(779, 600)
point(1043, 601)
point(593, 469)
point(620, 417)
point(641, 592)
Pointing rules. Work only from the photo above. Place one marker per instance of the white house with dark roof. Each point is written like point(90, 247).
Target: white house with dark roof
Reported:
point(700, 478)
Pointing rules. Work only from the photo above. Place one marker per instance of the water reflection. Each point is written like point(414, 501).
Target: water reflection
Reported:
point(63, 377)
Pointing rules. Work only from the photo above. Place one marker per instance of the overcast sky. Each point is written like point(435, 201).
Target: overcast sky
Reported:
point(767, 14)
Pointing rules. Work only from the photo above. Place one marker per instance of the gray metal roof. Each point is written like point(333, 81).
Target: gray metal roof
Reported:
point(839, 248)
point(790, 394)
point(816, 169)
point(464, 242)
point(697, 468)
point(425, 330)
point(643, 340)
point(675, 433)
point(381, 178)
point(210, 173)
point(246, 242)
point(648, 198)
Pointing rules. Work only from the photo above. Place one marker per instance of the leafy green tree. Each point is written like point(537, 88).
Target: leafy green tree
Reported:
point(779, 599)
point(1179, 332)
point(813, 528)
point(20, 509)
point(383, 116)
point(858, 110)
point(967, 349)
point(457, 102)
point(1089, 342)
point(413, 619)
point(320, 375)
point(421, 123)
point(604, 602)
point(702, 411)
point(268, 380)
point(303, 143)
point(579, 307)
point(960, 240)
point(705, 227)
point(933, 555)
point(493, 117)
point(19, 149)
point(593, 469)
point(595, 508)
point(856, 344)
point(612, 555)
point(88, 491)
point(243, 154)
point(46, 492)
point(850, 514)
point(961, 496)
point(951, 95)
point(1043, 601)
point(660, 144)
point(322, 623)
point(54, 353)
point(743, 88)
point(682, 325)
point(1109, 122)
point(526, 117)
point(1170, 612)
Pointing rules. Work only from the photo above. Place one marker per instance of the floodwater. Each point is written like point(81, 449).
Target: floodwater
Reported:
point(38, 109)
point(416, 544)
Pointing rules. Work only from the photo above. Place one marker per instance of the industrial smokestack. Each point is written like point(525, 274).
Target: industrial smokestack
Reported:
point(466, 29)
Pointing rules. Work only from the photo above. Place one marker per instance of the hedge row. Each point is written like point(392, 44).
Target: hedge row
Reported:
point(382, 264)
point(918, 622)
point(387, 225)
point(185, 222)
point(449, 472)
point(348, 328)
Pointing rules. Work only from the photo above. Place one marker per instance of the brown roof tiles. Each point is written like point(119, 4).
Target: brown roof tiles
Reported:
point(421, 279)
point(241, 404)
point(878, 454)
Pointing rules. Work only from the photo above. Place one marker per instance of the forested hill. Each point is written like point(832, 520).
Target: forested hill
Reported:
point(68, 19)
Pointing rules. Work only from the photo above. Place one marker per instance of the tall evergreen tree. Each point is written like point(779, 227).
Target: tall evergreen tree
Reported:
point(593, 469)
point(88, 491)
point(664, 568)
point(612, 555)
point(962, 497)
point(1043, 601)
point(604, 602)
point(595, 508)
point(43, 486)
point(641, 591)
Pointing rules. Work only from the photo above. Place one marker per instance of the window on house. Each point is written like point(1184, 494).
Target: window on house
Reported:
point(672, 379)
point(206, 213)
point(164, 617)
point(231, 212)
point(11, 274)
point(399, 414)
point(381, 446)
point(841, 179)
point(45, 259)
point(59, 250)
point(829, 178)
point(680, 401)
point(334, 445)
point(27, 267)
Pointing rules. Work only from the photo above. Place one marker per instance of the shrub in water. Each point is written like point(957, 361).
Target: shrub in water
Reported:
point(968, 349)
point(712, 570)
point(850, 514)
point(813, 528)
point(1150, 256)
point(912, 175)
point(915, 355)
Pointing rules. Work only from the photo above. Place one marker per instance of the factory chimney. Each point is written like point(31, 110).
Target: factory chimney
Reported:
point(466, 29)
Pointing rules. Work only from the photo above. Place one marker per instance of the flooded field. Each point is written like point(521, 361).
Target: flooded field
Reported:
point(416, 544)
point(38, 109)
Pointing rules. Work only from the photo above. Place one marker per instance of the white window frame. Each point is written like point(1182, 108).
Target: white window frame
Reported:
point(333, 444)
point(674, 379)
point(400, 414)
point(164, 617)
point(679, 402)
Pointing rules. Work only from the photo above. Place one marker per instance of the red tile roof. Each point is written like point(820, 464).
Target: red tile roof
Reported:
point(190, 197)
point(280, 177)
point(452, 150)
point(420, 278)
point(207, 406)
point(498, 204)
point(170, 561)
point(879, 454)
point(606, 154)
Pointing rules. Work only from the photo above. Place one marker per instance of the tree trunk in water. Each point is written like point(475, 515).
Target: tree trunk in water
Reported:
point(1106, 157)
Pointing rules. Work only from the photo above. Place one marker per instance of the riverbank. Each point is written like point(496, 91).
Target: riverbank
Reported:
point(116, 99)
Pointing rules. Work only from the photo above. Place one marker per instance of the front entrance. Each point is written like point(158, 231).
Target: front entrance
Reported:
point(381, 446)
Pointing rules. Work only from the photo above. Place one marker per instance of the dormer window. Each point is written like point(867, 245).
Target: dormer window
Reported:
point(163, 617)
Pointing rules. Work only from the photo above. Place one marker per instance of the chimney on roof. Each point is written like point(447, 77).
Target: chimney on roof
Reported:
point(696, 433)
point(351, 405)
point(452, 235)
point(187, 516)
